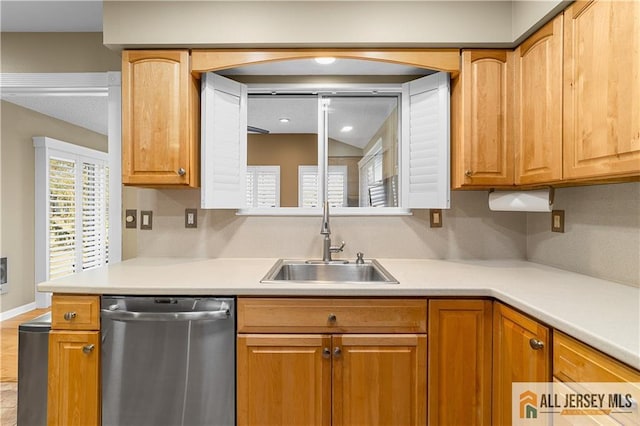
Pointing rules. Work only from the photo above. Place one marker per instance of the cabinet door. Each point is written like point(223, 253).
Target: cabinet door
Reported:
point(159, 116)
point(460, 362)
point(482, 150)
point(537, 108)
point(379, 379)
point(601, 87)
point(284, 379)
point(520, 354)
point(73, 389)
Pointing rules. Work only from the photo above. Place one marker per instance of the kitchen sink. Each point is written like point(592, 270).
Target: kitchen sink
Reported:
point(334, 272)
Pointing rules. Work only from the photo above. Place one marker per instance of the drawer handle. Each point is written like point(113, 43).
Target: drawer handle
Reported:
point(181, 171)
point(536, 344)
point(337, 351)
point(70, 315)
point(468, 173)
point(87, 349)
point(332, 318)
point(326, 353)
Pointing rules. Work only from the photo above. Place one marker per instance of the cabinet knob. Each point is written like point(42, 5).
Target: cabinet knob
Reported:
point(332, 318)
point(69, 315)
point(468, 173)
point(536, 344)
point(181, 171)
point(326, 353)
point(337, 351)
point(87, 349)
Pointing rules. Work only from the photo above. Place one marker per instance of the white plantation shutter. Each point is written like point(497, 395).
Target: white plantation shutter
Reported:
point(95, 208)
point(62, 217)
point(337, 186)
point(263, 186)
point(223, 142)
point(425, 142)
point(309, 186)
point(72, 222)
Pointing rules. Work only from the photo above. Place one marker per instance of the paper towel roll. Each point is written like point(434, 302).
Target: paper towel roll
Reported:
point(521, 201)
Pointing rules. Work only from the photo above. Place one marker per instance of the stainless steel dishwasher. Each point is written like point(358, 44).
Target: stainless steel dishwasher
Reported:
point(168, 361)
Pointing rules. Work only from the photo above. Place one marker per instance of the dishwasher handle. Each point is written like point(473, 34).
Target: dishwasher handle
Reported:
point(116, 315)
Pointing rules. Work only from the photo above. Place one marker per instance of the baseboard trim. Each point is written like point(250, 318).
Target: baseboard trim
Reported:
point(17, 311)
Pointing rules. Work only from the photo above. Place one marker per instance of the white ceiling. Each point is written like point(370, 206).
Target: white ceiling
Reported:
point(364, 115)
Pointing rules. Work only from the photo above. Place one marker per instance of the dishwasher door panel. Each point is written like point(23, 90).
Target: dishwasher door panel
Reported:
point(167, 372)
point(210, 393)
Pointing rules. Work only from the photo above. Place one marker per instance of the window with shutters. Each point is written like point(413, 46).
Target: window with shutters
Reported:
point(308, 186)
point(263, 186)
point(72, 205)
point(409, 171)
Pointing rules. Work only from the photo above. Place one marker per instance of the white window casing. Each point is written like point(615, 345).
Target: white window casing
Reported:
point(425, 142)
point(72, 208)
point(223, 143)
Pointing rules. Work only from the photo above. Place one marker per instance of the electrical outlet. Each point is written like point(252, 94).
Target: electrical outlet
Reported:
point(557, 221)
point(146, 219)
point(435, 218)
point(131, 219)
point(190, 218)
point(3, 270)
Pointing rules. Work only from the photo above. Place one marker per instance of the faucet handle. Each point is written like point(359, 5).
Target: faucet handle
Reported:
point(336, 249)
point(360, 258)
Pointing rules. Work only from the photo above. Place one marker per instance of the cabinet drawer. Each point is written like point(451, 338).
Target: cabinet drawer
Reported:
point(574, 361)
point(290, 315)
point(74, 312)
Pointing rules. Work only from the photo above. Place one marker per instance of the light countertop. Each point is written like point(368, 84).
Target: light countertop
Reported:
point(604, 314)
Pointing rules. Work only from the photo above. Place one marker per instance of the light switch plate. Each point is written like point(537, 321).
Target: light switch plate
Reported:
point(557, 221)
point(190, 218)
point(435, 218)
point(131, 219)
point(146, 219)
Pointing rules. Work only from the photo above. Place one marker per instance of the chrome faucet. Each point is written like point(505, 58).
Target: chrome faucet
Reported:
point(325, 230)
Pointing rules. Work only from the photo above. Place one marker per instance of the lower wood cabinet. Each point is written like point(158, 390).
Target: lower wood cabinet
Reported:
point(74, 381)
point(73, 394)
point(459, 362)
point(521, 353)
point(332, 378)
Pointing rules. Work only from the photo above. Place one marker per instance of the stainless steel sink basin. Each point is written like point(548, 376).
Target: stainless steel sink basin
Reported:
point(370, 272)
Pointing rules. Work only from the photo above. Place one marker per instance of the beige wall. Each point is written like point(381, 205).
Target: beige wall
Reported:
point(288, 151)
point(306, 23)
point(56, 52)
point(19, 125)
point(470, 231)
point(602, 232)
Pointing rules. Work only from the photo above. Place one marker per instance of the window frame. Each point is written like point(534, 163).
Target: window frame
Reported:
point(45, 149)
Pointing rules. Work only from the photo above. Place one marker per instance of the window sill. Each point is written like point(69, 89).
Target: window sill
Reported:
point(335, 211)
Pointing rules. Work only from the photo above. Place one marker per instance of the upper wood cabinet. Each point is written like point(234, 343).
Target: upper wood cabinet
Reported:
point(601, 89)
point(537, 111)
point(160, 119)
point(482, 152)
point(459, 362)
point(521, 353)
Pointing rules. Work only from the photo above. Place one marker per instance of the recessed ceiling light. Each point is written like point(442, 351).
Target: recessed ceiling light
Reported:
point(284, 120)
point(325, 60)
point(346, 129)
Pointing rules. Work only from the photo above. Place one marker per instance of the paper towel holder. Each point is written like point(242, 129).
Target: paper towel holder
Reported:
point(521, 200)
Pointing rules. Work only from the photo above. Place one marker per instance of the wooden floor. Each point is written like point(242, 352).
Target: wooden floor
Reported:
point(9, 344)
